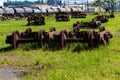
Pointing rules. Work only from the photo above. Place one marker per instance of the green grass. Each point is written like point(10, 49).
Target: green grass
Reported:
point(71, 63)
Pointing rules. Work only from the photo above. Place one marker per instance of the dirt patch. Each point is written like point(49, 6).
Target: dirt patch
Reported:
point(7, 73)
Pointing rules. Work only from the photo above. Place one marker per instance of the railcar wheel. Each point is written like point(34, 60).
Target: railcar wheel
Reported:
point(62, 39)
point(69, 34)
point(41, 36)
point(90, 42)
point(112, 16)
point(90, 39)
point(15, 35)
point(43, 23)
point(28, 30)
point(52, 29)
point(93, 39)
point(106, 40)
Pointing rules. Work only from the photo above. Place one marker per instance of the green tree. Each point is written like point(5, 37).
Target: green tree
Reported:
point(105, 4)
point(97, 3)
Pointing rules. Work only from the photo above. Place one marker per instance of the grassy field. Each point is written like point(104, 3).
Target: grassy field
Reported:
point(71, 63)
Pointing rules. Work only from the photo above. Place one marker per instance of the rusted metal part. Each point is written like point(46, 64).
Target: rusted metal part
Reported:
point(24, 37)
point(80, 37)
point(62, 37)
point(36, 20)
point(91, 37)
point(104, 37)
point(52, 29)
point(102, 18)
point(94, 23)
point(62, 15)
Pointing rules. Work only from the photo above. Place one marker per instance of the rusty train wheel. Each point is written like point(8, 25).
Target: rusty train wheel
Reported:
point(69, 34)
point(15, 35)
point(41, 35)
point(52, 29)
point(92, 40)
point(62, 39)
point(28, 30)
point(43, 23)
point(90, 43)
